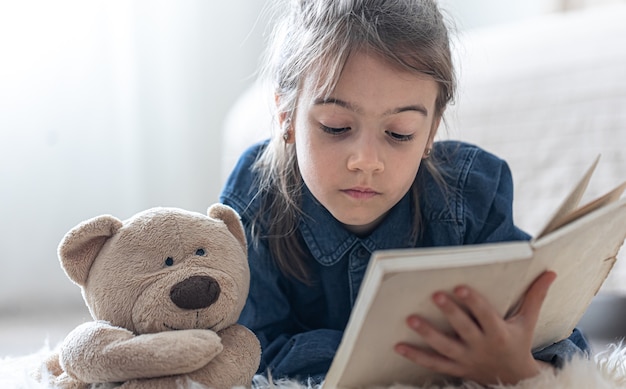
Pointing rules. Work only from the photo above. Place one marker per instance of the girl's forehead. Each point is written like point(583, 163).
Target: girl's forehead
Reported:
point(360, 69)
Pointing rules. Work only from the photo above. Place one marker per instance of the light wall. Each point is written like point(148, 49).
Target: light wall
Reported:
point(477, 13)
point(109, 107)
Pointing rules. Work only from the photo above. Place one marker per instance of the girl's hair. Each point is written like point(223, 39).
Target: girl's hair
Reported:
point(315, 39)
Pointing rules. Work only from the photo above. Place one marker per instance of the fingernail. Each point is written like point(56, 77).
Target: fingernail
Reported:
point(401, 350)
point(414, 322)
point(462, 292)
point(440, 299)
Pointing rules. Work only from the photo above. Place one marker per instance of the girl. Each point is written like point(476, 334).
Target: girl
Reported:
point(352, 167)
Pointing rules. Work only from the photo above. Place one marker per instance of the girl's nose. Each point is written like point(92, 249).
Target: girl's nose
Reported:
point(365, 156)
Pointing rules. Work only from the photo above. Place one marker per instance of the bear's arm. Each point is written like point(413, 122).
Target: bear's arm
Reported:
point(236, 365)
point(99, 352)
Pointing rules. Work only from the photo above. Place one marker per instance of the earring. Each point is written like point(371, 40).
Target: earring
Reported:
point(288, 133)
point(428, 152)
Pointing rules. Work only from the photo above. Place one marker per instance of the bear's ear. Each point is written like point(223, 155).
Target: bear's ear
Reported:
point(232, 221)
point(80, 247)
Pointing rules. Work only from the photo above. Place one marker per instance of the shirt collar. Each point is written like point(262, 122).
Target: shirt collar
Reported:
point(328, 241)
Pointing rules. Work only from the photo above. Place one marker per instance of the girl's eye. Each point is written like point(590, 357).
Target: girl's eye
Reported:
point(334, 131)
point(400, 137)
point(200, 252)
point(169, 261)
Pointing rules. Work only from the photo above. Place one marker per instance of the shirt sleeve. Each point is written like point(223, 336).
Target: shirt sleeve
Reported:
point(486, 200)
point(287, 349)
point(559, 353)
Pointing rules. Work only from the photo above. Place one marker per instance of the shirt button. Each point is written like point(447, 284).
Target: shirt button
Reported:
point(362, 253)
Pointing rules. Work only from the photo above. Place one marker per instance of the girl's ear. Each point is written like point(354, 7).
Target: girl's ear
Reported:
point(82, 244)
point(284, 122)
point(282, 116)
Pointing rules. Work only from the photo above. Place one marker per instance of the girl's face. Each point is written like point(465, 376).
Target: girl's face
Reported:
point(359, 149)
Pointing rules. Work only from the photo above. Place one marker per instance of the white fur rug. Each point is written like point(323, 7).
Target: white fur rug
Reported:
point(606, 370)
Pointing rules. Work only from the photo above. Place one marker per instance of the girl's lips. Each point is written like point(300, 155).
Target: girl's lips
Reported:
point(360, 193)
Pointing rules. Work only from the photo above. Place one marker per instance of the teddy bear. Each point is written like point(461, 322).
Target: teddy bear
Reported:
point(165, 289)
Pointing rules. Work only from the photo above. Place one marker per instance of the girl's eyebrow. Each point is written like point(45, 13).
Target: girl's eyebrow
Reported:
point(332, 100)
point(344, 104)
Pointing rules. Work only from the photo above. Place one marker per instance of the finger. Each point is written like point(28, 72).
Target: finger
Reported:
point(485, 315)
point(534, 297)
point(445, 345)
point(428, 359)
point(461, 321)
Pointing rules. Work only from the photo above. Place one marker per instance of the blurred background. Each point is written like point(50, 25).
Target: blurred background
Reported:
point(117, 106)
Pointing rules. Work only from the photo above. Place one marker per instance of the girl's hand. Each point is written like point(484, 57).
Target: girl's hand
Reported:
point(487, 348)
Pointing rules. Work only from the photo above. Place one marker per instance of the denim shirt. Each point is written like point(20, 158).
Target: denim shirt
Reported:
point(300, 325)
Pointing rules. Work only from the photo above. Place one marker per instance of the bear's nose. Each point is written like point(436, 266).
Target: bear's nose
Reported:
point(195, 292)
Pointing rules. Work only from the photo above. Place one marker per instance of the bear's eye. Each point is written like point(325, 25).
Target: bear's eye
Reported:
point(169, 261)
point(200, 252)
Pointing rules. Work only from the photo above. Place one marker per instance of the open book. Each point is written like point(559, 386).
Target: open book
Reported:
point(579, 243)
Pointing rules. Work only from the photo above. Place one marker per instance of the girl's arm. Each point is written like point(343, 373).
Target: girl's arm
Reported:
point(287, 351)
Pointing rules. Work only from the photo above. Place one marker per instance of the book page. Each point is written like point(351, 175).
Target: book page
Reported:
point(571, 201)
point(600, 202)
point(581, 253)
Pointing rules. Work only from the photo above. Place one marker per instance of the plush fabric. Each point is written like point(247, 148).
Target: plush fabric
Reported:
point(606, 370)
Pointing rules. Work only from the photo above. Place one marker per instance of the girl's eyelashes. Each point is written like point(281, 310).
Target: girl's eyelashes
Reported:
point(334, 131)
point(396, 137)
point(400, 137)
